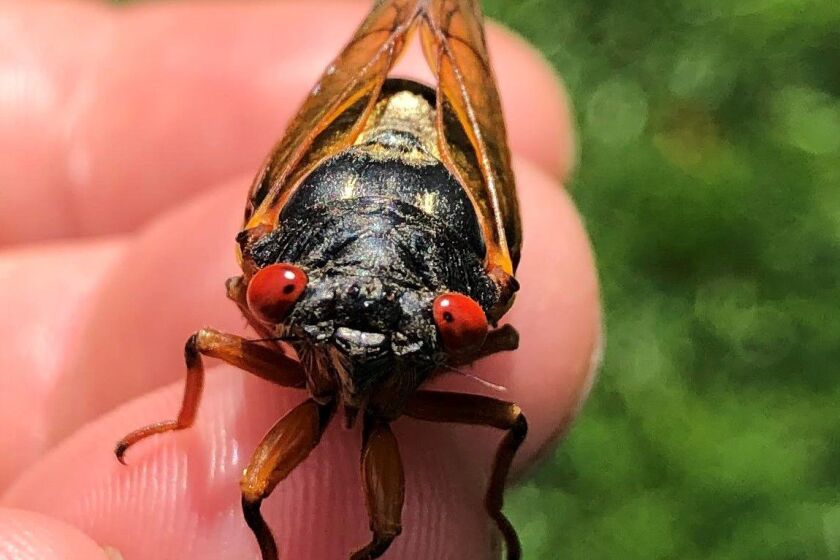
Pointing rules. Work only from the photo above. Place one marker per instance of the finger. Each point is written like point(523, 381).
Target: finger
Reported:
point(179, 495)
point(188, 478)
point(557, 313)
point(170, 283)
point(122, 112)
point(128, 323)
point(45, 295)
point(25, 535)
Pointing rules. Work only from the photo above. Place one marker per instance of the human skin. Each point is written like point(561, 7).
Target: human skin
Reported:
point(128, 137)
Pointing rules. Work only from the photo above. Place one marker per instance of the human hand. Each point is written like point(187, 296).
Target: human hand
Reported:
point(129, 137)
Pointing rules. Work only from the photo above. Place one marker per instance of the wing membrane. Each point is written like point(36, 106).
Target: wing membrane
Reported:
point(348, 89)
point(470, 125)
point(455, 47)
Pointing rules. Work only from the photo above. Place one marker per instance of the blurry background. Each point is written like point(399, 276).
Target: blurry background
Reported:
point(709, 179)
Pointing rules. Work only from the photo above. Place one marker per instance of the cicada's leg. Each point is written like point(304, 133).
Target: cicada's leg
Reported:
point(382, 473)
point(262, 361)
point(484, 411)
point(503, 339)
point(285, 446)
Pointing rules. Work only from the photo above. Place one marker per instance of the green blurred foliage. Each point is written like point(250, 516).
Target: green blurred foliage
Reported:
point(709, 180)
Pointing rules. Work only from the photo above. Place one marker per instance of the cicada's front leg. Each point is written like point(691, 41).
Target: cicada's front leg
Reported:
point(384, 481)
point(266, 362)
point(285, 446)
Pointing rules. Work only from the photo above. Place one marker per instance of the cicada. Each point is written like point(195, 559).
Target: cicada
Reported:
point(379, 246)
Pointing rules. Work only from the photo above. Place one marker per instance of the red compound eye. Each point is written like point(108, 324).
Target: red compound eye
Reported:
point(460, 321)
point(274, 290)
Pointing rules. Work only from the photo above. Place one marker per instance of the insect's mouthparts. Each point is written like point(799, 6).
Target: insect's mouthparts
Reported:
point(359, 345)
point(359, 338)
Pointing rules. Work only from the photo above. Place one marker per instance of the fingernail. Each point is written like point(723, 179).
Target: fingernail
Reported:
point(596, 360)
point(112, 553)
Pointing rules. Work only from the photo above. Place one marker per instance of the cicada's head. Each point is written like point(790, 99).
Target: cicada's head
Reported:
point(370, 331)
point(382, 306)
point(374, 290)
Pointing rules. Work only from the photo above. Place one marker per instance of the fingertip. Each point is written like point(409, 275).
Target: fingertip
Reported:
point(183, 489)
point(25, 535)
point(45, 294)
point(557, 313)
point(536, 104)
point(169, 281)
point(558, 310)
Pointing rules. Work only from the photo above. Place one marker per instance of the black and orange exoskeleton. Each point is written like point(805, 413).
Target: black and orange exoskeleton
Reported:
point(380, 242)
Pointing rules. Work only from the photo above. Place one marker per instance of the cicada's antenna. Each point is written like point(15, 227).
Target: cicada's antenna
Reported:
point(488, 384)
point(279, 338)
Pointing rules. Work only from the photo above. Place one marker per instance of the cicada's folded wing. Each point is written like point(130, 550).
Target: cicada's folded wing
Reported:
point(335, 110)
point(470, 123)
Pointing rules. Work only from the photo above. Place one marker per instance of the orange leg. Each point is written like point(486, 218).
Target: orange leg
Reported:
point(483, 411)
point(285, 446)
point(384, 482)
point(262, 361)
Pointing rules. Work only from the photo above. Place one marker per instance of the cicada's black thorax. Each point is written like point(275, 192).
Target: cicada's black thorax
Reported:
point(381, 229)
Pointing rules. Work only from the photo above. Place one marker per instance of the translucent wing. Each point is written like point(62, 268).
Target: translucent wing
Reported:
point(336, 108)
point(470, 124)
point(471, 129)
